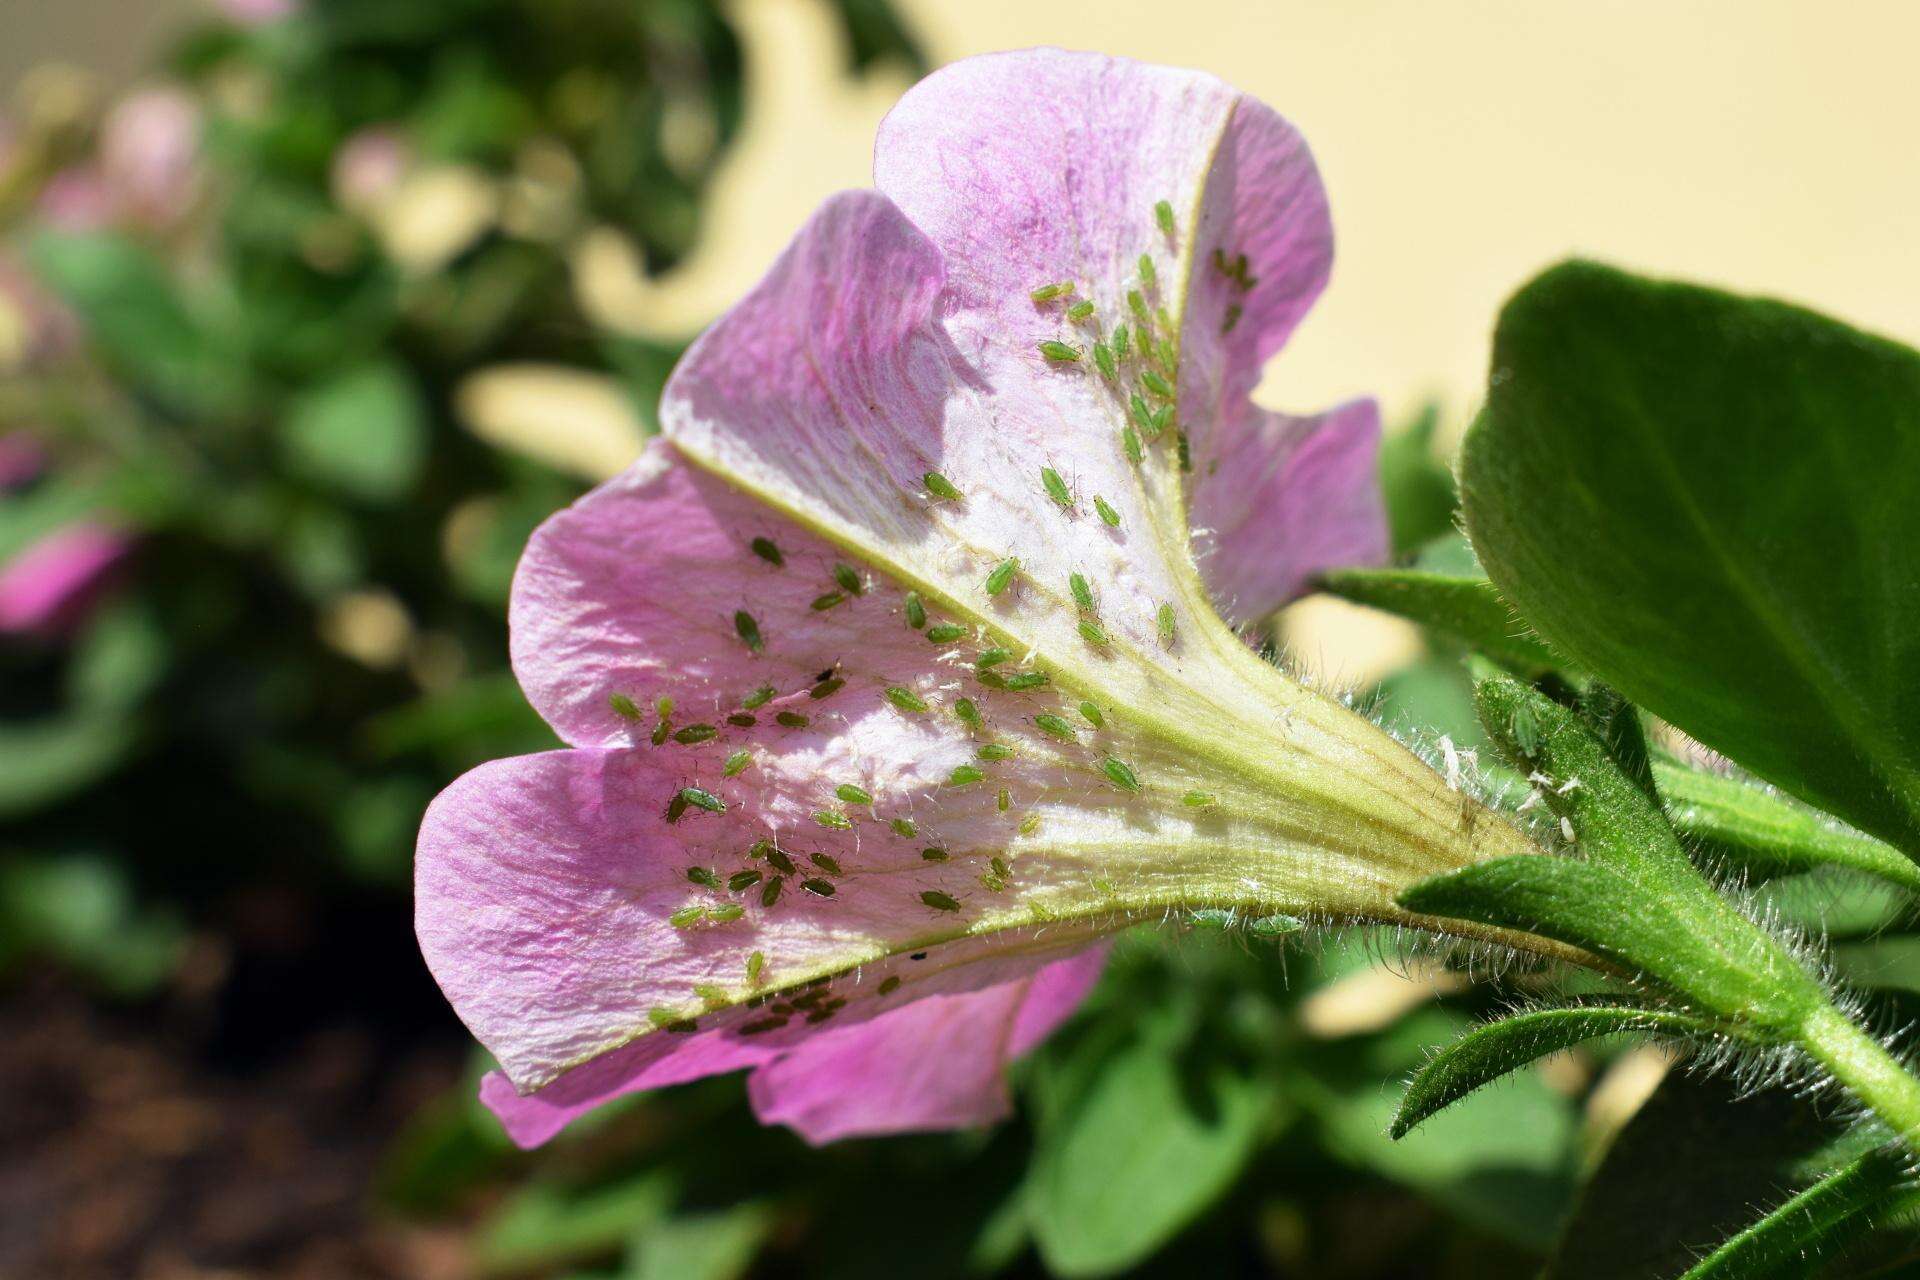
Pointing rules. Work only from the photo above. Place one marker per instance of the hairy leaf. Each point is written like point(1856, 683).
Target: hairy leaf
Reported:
point(1818, 1222)
point(1466, 609)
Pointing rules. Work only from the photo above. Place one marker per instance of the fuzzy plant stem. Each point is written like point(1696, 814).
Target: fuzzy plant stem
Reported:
point(1863, 1065)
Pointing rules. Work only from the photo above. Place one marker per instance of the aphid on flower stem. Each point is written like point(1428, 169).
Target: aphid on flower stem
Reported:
point(968, 713)
point(703, 799)
point(946, 633)
point(726, 913)
point(1053, 726)
point(905, 698)
point(818, 887)
point(822, 603)
point(1164, 619)
point(1093, 716)
point(939, 901)
point(748, 630)
point(1056, 487)
point(1199, 800)
point(1163, 215)
point(1048, 292)
point(1120, 774)
point(768, 551)
point(777, 859)
point(916, 612)
point(1131, 443)
point(758, 698)
point(706, 877)
point(905, 827)
point(1526, 730)
point(792, 720)
point(1093, 633)
point(741, 880)
point(1002, 576)
point(1027, 680)
point(1080, 310)
point(1104, 361)
point(687, 917)
point(964, 776)
point(1107, 514)
point(833, 820)
point(1059, 351)
point(771, 894)
point(940, 487)
point(1082, 591)
point(623, 706)
point(852, 794)
point(995, 751)
point(934, 854)
point(696, 733)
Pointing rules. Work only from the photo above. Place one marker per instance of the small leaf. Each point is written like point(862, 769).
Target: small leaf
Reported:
point(1834, 1212)
point(363, 433)
point(1711, 502)
point(1418, 487)
point(1466, 609)
point(1488, 1052)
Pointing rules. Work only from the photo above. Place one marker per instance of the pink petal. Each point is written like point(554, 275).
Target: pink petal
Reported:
point(48, 585)
point(1295, 497)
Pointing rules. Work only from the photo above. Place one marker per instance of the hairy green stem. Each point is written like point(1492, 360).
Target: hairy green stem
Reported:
point(1863, 1065)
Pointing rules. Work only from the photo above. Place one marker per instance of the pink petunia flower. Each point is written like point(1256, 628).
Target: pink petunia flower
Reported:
point(898, 676)
point(50, 585)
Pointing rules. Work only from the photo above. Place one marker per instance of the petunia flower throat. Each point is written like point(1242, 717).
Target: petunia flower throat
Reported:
point(903, 671)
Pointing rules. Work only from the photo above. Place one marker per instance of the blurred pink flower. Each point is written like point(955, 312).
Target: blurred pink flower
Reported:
point(896, 677)
point(369, 167)
point(34, 327)
point(144, 173)
point(51, 585)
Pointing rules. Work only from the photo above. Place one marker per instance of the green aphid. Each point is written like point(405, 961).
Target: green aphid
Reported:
point(993, 883)
point(737, 763)
point(1164, 620)
point(623, 706)
point(1130, 441)
point(890, 985)
point(771, 894)
point(1000, 868)
point(822, 603)
point(1059, 351)
point(946, 633)
point(703, 799)
point(1148, 276)
point(991, 679)
point(826, 862)
point(1004, 800)
point(833, 820)
point(1162, 419)
point(905, 827)
point(1122, 342)
point(748, 630)
point(1199, 800)
point(849, 579)
point(991, 658)
point(696, 733)
point(995, 751)
point(758, 698)
point(1080, 310)
point(1029, 824)
point(687, 917)
point(742, 720)
point(905, 698)
point(660, 731)
point(1119, 774)
point(1105, 511)
point(710, 993)
point(1002, 576)
point(916, 611)
point(766, 550)
point(1186, 452)
point(792, 720)
point(777, 859)
point(676, 807)
point(1138, 305)
point(1027, 680)
point(1232, 318)
point(742, 880)
point(1048, 292)
point(758, 849)
point(1163, 214)
point(968, 713)
point(756, 964)
point(935, 854)
point(1167, 330)
point(852, 794)
point(1212, 919)
point(1142, 416)
point(939, 901)
point(726, 913)
point(1526, 730)
point(964, 776)
point(706, 877)
point(663, 1018)
point(1056, 487)
point(1093, 715)
point(1156, 384)
point(1055, 727)
point(819, 888)
point(1104, 361)
point(1275, 926)
point(1082, 591)
point(940, 487)
point(826, 688)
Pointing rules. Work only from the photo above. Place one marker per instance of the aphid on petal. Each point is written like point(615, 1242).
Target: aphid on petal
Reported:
point(940, 487)
point(769, 551)
point(1056, 487)
point(1002, 576)
point(1107, 514)
point(1163, 215)
point(623, 706)
point(904, 827)
point(1059, 352)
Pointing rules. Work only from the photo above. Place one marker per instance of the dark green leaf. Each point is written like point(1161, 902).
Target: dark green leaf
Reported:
point(1819, 1222)
point(1417, 486)
point(1712, 502)
point(362, 433)
point(1488, 1052)
point(1468, 610)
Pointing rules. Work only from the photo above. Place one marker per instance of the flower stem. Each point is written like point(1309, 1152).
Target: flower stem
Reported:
point(1868, 1071)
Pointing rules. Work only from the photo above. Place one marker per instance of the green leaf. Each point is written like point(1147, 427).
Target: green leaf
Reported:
point(1466, 609)
point(546, 1223)
point(1766, 833)
point(703, 1246)
point(1711, 502)
point(363, 433)
point(1488, 1052)
point(1820, 1221)
point(1139, 1142)
point(1417, 486)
